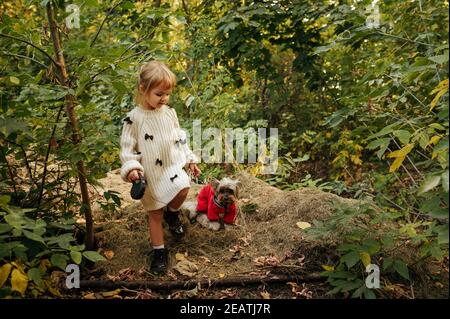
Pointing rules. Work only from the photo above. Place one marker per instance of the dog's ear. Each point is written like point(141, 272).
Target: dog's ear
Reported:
point(214, 183)
point(237, 184)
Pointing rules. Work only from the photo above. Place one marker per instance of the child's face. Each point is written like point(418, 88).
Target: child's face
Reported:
point(157, 97)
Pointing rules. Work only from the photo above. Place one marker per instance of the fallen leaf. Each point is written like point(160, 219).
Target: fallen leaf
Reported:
point(265, 295)
point(89, 296)
point(191, 293)
point(19, 281)
point(109, 254)
point(111, 293)
point(303, 225)
point(328, 268)
point(221, 275)
point(180, 256)
point(187, 268)
point(4, 273)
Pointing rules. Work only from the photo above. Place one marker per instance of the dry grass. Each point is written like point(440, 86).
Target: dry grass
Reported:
point(266, 229)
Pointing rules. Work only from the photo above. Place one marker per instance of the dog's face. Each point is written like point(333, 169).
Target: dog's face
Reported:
point(226, 190)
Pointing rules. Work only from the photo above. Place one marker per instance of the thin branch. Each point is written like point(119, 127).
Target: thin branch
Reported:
point(103, 22)
point(29, 43)
point(404, 39)
point(25, 57)
point(11, 175)
point(189, 284)
point(118, 61)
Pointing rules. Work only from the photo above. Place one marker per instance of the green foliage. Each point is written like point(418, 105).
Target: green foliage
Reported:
point(365, 235)
point(32, 248)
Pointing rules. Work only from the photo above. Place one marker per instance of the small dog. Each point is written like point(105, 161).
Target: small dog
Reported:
point(216, 204)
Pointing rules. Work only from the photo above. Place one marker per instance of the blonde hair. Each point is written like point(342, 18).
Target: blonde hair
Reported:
point(151, 75)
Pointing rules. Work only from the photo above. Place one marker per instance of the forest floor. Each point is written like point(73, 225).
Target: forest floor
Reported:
point(266, 241)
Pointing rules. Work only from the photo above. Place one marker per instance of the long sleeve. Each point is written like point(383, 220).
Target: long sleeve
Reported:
point(129, 156)
point(190, 156)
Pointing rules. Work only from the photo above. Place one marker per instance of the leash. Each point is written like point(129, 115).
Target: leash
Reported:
point(222, 223)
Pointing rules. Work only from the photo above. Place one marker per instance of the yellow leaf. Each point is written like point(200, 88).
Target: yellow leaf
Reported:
point(44, 264)
point(109, 254)
point(55, 292)
point(365, 258)
point(434, 140)
point(399, 157)
point(402, 152)
point(19, 281)
point(179, 256)
point(4, 273)
point(441, 89)
point(396, 164)
point(303, 225)
point(328, 268)
point(442, 85)
point(111, 293)
point(355, 159)
point(221, 275)
point(265, 295)
point(14, 80)
point(89, 296)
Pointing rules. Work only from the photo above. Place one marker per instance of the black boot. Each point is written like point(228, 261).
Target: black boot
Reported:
point(176, 227)
point(159, 261)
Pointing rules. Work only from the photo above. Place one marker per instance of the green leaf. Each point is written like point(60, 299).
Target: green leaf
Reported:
point(440, 59)
point(429, 183)
point(93, 256)
point(15, 220)
point(377, 143)
point(35, 275)
point(76, 256)
point(442, 235)
point(445, 180)
point(14, 80)
point(387, 262)
point(403, 136)
point(369, 294)
point(386, 130)
point(59, 260)
point(437, 126)
point(401, 268)
point(33, 236)
point(4, 228)
point(350, 259)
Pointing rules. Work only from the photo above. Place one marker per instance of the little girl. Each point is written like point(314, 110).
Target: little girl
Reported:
point(153, 145)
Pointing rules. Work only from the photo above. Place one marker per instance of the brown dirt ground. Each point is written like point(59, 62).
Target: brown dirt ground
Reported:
point(265, 240)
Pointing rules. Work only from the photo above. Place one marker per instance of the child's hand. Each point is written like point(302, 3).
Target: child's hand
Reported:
point(194, 169)
point(134, 175)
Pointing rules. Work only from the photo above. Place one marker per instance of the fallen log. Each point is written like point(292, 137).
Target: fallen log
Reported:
point(192, 283)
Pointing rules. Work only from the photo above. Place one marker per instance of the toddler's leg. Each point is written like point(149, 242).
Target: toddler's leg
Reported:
point(160, 258)
point(171, 214)
point(155, 228)
point(175, 204)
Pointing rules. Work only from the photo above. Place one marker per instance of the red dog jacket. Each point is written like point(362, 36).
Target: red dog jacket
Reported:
point(205, 204)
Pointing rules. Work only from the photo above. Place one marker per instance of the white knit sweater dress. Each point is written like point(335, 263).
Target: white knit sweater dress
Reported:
point(153, 142)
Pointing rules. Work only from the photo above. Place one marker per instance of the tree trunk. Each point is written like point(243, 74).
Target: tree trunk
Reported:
point(190, 284)
point(76, 138)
